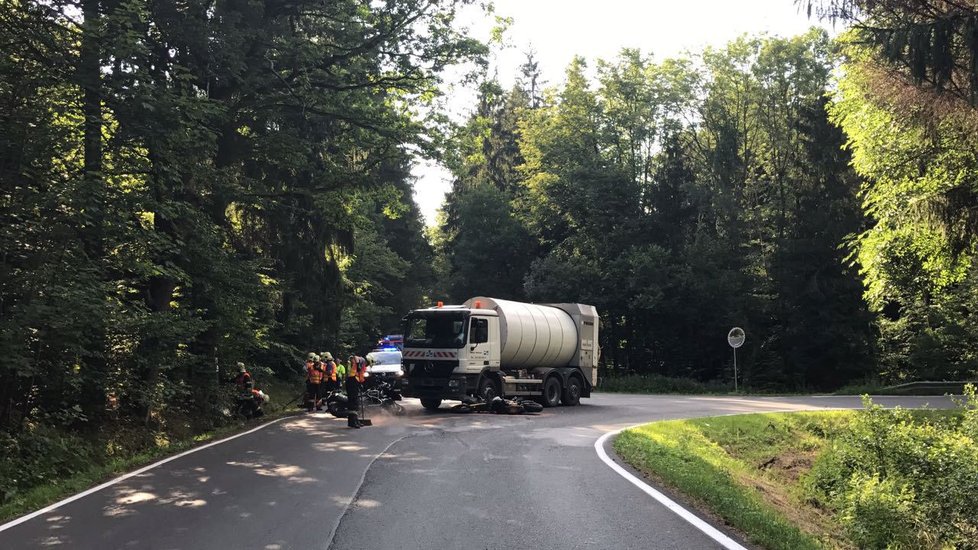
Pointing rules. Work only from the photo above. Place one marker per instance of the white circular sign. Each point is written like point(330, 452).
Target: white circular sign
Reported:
point(736, 337)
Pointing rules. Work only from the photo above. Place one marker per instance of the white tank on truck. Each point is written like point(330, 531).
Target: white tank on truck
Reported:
point(488, 347)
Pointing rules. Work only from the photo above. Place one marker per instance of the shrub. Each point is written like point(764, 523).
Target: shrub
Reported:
point(40, 455)
point(901, 480)
point(874, 513)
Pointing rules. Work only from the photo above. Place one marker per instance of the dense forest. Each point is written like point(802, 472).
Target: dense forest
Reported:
point(681, 198)
point(187, 185)
point(820, 194)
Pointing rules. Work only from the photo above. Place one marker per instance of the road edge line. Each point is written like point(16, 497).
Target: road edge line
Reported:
point(707, 529)
point(356, 491)
point(123, 477)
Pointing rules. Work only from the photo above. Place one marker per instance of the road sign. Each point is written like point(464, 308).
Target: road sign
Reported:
point(736, 337)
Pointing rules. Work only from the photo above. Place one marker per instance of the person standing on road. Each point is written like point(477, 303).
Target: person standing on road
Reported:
point(329, 372)
point(340, 374)
point(356, 374)
point(314, 382)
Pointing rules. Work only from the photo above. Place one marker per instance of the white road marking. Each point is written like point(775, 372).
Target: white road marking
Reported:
point(703, 526)
point(124, 477)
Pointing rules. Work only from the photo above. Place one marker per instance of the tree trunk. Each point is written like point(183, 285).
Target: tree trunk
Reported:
point(89, 79)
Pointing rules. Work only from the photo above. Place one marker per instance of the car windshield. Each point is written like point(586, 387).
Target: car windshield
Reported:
point(384, 358)
point(441, 329)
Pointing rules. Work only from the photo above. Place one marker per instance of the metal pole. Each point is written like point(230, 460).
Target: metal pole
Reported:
point(735, 369)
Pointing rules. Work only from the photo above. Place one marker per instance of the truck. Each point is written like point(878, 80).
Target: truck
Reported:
point(488, 347)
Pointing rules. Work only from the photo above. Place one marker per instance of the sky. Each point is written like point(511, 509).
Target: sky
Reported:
point(557, 30)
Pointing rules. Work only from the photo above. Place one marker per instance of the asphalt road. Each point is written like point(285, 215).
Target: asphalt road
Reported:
point(426, 481)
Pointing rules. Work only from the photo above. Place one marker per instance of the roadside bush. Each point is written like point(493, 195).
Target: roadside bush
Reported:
point(40, 455)
point(899, 480)
point(874, 510)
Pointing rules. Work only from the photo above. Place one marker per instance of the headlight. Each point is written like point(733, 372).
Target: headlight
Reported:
point(454, 383)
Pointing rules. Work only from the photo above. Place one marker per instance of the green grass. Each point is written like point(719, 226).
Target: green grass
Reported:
point(281, 392)
point(752, 470)
point(747, 469)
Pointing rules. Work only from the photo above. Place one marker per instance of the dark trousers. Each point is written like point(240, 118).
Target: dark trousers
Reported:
point(315, 393)
point(353, 393)
point(353, 403)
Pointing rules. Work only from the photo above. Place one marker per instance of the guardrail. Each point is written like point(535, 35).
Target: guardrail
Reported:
point(928, 387)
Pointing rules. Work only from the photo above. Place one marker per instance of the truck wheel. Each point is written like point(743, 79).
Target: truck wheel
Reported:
point(488, 389)
point(572, 393)
point(551, 392)
point(431, 404)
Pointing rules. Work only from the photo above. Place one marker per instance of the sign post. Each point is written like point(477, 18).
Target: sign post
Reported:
point(736, 338)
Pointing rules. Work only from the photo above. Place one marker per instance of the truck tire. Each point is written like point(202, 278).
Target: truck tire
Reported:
point(551, 392)
point(431, 404)
point(488, 388)
point(572, 393)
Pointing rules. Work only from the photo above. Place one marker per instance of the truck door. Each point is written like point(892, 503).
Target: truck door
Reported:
point(479, 344)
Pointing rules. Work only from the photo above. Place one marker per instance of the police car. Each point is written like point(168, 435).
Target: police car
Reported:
point(385, 363)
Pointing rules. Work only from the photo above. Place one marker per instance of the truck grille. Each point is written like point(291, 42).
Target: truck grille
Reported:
point(429, 369)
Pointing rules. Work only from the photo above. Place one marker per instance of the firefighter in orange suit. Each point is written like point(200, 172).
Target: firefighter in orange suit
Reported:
point(314, 382)
point(329, 372)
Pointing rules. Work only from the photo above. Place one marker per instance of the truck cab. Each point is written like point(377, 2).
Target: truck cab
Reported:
point(446, 350)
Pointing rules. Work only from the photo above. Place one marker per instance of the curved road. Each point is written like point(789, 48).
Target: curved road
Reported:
point(426, 481)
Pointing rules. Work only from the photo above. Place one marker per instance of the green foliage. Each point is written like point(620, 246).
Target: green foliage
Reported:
point(880, 478)
point(482, 247)
point(874, 513)
point(40, 456)
point(682, 456)
point(903, 481)
point(186, 186)
point(681, 198)
point(917, 255)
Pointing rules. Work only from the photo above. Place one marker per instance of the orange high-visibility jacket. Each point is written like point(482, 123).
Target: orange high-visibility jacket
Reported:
point(358, 368)
point(314, 373)
point(330, 370)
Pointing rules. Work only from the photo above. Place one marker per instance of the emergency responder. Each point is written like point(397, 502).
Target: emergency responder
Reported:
point(244, 382)
point(340, 374)
point(329, 372)
point(356, 373)
point(314, 382)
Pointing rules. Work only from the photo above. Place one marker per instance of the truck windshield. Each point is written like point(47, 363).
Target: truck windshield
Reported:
point(435, 330)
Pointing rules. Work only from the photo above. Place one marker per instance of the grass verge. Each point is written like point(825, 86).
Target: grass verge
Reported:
point(755, 472)
point(748, 469)
point(123, 461)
